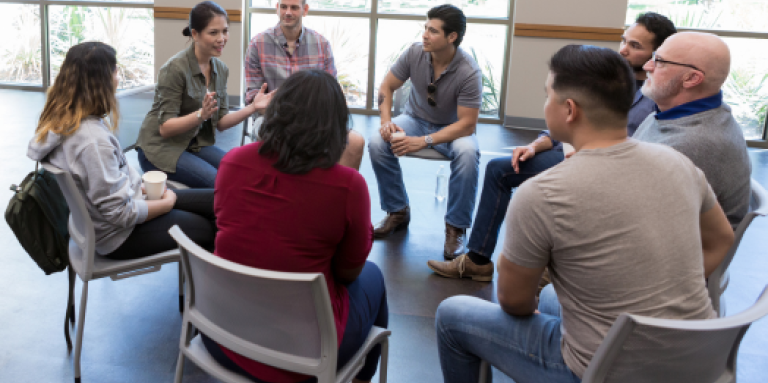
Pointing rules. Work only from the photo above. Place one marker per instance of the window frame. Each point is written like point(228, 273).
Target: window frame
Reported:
point(45, 46)
point(760, 143)
point(373, 17)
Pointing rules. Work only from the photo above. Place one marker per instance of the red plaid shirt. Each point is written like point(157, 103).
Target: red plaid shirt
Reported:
point(267, 59)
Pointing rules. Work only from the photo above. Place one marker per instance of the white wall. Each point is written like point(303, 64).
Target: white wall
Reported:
point(169, 41)
point(529, 55)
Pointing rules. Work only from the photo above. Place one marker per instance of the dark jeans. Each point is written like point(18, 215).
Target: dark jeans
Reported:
point(499, 181)
point(367, 308)
point(193, 212)
point(196, 170)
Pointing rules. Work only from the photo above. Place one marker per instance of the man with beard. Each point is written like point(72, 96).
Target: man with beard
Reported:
point(289, 47)
point(684, 79)
point(502, 175)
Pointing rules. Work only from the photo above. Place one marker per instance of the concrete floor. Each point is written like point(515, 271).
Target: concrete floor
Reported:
point(133, 325)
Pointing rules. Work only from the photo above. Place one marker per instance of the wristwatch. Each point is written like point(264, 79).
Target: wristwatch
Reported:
point(199, 115)
point(428, 140)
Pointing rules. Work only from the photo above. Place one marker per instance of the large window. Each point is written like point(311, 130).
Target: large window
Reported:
point(28, 60)
point(367, 36)
point(743, 24)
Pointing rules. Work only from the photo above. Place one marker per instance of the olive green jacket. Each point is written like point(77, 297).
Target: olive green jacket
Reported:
point(180, 91)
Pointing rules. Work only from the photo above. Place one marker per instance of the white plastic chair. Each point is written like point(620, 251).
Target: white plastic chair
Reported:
point(82, 259)
point(718, 280)
point(281, 319)
point(130, 126)
point(251, 127)
point(701, 351)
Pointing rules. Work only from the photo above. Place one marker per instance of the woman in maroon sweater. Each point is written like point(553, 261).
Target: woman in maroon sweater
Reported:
point(284, 204)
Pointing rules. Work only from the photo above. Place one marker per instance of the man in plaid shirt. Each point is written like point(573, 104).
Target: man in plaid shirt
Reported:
point(289, 47)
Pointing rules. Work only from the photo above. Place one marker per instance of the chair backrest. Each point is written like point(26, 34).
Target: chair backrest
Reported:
point(642, 349)
point(400, 97)
point(280, 319)
point(82, 244)
point(758, 207)
point(134, 104)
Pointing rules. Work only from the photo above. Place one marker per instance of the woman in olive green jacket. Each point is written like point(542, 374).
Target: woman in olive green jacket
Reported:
point(177, 135)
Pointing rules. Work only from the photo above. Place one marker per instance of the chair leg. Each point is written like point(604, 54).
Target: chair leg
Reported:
point(179, 367)
point(384, 360)
point(485, 371)
point(80, 329)
point(181, 288)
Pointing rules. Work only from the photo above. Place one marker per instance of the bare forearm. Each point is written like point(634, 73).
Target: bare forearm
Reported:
point(231, 119)
point(542, 144)
point(458, 129)
point(157, 208)
point(523, 309)
point(385, 104)
point(715, 250)
point(716, 238)
point(179, 125)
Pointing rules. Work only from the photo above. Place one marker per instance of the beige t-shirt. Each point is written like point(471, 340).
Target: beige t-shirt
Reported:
point(619, 229)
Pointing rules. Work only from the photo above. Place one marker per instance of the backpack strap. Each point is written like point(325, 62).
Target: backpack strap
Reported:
point(69, 318)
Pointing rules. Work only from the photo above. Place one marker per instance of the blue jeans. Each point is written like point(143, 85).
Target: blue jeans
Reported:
point(367, 308)
point(499, 181)
point(196, 170)
point(464, 153)
point(527, 349)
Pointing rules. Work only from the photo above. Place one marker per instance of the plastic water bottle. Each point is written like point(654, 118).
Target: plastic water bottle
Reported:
point(441, 191)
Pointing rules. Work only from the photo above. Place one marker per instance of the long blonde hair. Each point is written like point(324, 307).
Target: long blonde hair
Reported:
point(84, 87)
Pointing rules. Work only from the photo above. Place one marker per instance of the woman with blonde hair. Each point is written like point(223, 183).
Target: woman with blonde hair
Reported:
point(76, 133)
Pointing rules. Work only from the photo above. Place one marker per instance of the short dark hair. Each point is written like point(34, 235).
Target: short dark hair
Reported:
point(659, 25)
point(598, 79)
point(201, 15)
point(306, 123)
point(453, 20)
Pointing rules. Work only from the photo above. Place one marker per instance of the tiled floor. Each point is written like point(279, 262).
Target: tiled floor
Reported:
point(133, 325)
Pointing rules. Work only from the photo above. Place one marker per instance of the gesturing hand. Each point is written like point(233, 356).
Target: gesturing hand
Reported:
point(209, 105)
point(262, 99)
point(521, 154)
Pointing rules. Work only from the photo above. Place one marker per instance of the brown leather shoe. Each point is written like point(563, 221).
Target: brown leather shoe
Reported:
point(462, 267)
point(455, 242)
point(392, 222)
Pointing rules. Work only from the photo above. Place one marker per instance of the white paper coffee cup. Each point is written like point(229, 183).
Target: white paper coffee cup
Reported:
point(568, 148)
point(397, 134)
point(154, 184)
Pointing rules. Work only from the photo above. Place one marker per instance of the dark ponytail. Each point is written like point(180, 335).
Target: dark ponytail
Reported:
point(201, 15)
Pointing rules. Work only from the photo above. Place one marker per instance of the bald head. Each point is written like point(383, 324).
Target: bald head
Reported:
point(704, 51)
point(688, 66)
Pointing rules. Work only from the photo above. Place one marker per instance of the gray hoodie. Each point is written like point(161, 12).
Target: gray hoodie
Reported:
point(110, 187)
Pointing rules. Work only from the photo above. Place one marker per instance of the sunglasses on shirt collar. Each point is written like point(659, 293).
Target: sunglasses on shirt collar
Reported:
point(431, 90)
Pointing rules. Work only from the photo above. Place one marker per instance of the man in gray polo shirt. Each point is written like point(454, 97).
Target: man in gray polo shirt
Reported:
point(441, 113)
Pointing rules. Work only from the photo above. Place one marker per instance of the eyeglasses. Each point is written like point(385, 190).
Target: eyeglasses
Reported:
point(656, 60)
point(431, 90)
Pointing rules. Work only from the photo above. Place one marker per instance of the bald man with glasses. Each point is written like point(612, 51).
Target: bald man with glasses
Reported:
point(685, 77)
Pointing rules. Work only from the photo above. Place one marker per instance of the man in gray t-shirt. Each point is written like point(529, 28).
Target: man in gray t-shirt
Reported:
point(609, 248)
point(441, 113)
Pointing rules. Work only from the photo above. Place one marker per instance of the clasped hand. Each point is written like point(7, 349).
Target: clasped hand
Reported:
point(401, 145)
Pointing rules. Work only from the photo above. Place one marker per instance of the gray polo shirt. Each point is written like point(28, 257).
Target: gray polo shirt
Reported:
point(461, 84)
